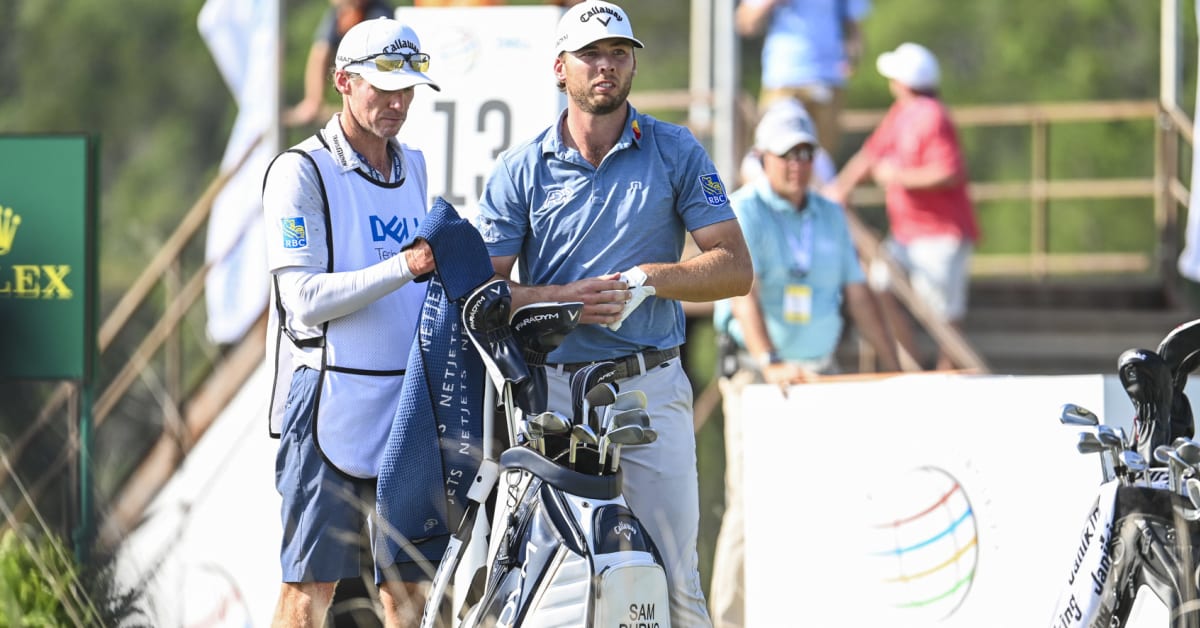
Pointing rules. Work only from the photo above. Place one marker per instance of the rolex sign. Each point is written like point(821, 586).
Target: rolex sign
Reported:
point(47, 253)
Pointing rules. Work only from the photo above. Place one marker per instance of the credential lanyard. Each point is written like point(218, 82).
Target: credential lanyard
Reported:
point(801, 245)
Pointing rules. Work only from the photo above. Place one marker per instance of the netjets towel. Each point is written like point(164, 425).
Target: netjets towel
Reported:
point(434, 446)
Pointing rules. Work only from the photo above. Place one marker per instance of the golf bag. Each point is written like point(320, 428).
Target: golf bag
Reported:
point(1143, 533)
point(570, 552)
point(1133, 539)
point(564, 548)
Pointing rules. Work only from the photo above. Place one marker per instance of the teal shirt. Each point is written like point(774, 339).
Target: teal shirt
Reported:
point(807, 250)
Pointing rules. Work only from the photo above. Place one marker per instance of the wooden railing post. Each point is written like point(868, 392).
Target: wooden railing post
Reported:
point(1039, 223)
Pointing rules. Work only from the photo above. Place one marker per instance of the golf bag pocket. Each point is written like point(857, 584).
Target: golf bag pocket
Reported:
point(631, 585)
point(633, 595)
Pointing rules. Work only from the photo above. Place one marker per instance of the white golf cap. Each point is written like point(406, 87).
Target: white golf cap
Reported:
point(911, 64)
point(381, 36)
point(589, 22)
point(783, 126)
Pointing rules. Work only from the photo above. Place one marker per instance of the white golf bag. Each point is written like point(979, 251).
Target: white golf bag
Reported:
point(569, 552)
point(564, 549)
point(1143, 532)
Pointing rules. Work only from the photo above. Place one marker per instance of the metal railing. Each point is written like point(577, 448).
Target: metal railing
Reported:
point(1164, 187)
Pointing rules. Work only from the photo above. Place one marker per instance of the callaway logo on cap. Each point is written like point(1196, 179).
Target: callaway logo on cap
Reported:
point(589, 22)
point(386, 53)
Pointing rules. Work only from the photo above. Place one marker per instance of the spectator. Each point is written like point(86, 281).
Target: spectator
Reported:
point(914, 154)
point(332, 311)
point(338, 18)
point(596, 208)
point(787, 329)
point(809, 50)
point(824, 170)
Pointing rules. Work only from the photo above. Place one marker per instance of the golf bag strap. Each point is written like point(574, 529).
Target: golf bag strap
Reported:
point(560, 477)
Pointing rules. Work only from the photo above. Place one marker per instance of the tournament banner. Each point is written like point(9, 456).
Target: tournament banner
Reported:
point(919, 500)
point(923, 500)
point(495, 67)
point(47, 256)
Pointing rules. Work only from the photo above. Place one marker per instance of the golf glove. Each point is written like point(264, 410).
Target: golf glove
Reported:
point(634, 278)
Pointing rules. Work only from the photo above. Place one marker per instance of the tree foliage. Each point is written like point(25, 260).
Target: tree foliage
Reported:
point(139, 76)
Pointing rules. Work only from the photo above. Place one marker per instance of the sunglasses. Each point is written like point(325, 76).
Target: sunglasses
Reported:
point(394, 61)
point(801, 153)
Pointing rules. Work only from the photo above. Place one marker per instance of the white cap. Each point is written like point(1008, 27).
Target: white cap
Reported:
point(911, 64)
point(375, 37)
point(589, 22)
point(783, 126)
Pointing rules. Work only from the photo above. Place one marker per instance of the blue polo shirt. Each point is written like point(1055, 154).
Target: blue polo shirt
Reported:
point(803, 43)
point(566, 220)
point(795, 252)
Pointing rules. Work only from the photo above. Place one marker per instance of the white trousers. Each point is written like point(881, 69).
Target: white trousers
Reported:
point(660, 479)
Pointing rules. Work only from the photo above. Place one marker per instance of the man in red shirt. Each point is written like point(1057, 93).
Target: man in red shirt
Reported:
point(914, 154)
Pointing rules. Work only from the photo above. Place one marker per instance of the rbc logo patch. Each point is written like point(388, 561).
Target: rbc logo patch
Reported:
point(295, 236)
point(714, 190)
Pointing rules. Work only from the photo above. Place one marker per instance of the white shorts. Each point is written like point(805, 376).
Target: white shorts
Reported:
point(938, 268)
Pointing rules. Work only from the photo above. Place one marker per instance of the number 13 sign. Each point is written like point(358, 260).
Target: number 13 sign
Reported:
point(495, 68)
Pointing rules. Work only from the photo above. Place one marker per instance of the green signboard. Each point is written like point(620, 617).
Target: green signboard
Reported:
point(47, 256)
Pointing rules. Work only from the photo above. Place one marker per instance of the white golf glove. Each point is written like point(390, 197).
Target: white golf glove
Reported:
point(635, 279)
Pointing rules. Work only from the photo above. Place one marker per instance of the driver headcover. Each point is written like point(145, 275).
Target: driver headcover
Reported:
point(485, 317)
point(1148, 381)
point(539, 329)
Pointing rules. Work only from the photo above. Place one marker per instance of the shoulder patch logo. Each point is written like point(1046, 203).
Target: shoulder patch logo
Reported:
point(295, 235)
point(713, 189)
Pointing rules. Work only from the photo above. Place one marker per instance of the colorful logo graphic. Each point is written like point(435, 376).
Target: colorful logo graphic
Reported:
point(9, 221)
point(924, 544)
point(295, 235)
point(456, 50)
point(714, 190)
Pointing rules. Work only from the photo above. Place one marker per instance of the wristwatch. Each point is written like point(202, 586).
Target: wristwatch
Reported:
point(769, 358)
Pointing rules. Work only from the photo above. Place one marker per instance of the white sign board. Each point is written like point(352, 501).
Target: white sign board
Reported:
point(495, 68)
point(926, 500)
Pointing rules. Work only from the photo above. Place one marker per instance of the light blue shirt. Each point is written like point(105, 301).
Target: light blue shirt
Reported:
point(810, 248)
point(566, 220)
point(803, 44)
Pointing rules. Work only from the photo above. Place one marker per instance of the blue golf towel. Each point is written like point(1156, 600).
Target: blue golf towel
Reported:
point(435, 443)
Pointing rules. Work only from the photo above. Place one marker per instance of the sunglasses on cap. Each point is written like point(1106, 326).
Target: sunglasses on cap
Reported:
point(394, 61)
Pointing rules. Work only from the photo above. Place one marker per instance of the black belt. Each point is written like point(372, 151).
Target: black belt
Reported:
point(627, 366)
